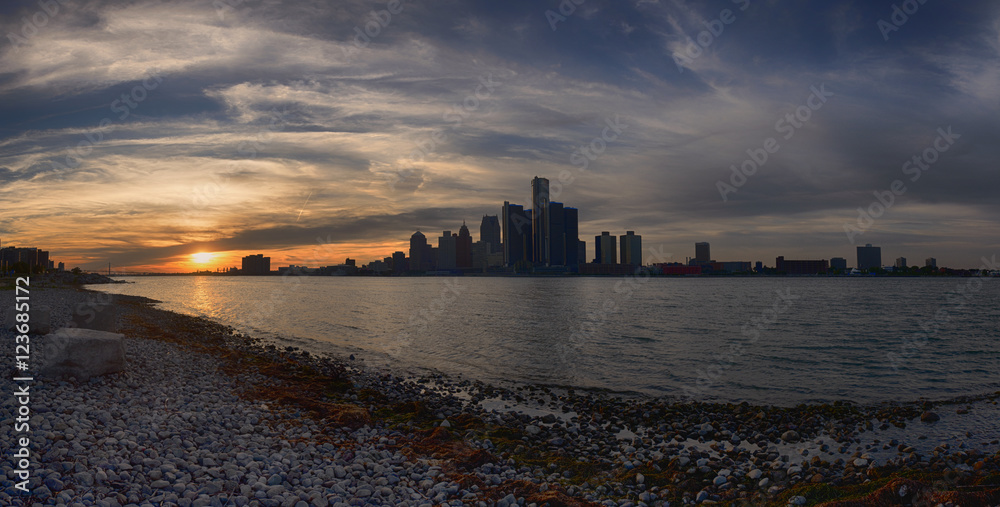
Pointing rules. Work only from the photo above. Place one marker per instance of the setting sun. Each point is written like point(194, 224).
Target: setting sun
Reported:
point(202, 257)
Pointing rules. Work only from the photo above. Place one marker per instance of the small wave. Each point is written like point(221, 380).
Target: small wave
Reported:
point(645, 339)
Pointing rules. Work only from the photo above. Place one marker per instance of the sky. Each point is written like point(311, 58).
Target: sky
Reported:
point(142, 132)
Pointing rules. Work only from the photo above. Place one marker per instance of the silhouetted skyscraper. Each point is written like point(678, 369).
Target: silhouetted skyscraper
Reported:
point(516, 228)
point(399, 264)
point(479, 260)
point(256, 265)
point(631, 245)
point(540, 221)
point(838, 263)
point(606, 248)
point(557, 234)
point(463, 248)
point(489, 232)
point(447, 255)
point(419, 252)
point(702, 252)
point(869, 257)
point(572, 238)
point(529, 240)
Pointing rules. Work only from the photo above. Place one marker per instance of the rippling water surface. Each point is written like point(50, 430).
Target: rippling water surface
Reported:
point(764, 340)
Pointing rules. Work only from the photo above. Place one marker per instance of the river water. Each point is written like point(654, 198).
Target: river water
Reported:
point(766, 340)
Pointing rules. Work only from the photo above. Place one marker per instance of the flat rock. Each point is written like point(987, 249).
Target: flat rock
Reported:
point(82, 354)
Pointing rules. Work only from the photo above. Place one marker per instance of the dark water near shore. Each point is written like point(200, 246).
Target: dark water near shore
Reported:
point(764, 340)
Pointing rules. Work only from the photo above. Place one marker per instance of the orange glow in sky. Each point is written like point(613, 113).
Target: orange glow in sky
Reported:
point(202, 257)
point(310, 256)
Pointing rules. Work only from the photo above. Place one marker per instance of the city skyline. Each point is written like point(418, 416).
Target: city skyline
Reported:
point(555, 227)
point(466, 255)
point(868, 256)
point(182, 136)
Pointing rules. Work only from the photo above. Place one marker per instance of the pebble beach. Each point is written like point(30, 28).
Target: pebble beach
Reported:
point(206, 416)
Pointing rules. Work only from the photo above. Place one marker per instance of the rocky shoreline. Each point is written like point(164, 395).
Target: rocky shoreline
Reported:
point(204, 415)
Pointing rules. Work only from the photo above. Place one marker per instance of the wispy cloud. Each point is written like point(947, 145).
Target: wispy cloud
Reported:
point(274, 105)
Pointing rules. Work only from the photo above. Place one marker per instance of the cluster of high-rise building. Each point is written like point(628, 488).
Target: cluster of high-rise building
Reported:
point(606, 249)
point(544, 237)
point(33, 259)
point(453, 250)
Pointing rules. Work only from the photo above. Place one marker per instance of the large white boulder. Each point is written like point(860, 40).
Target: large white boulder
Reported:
point(81, 353)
